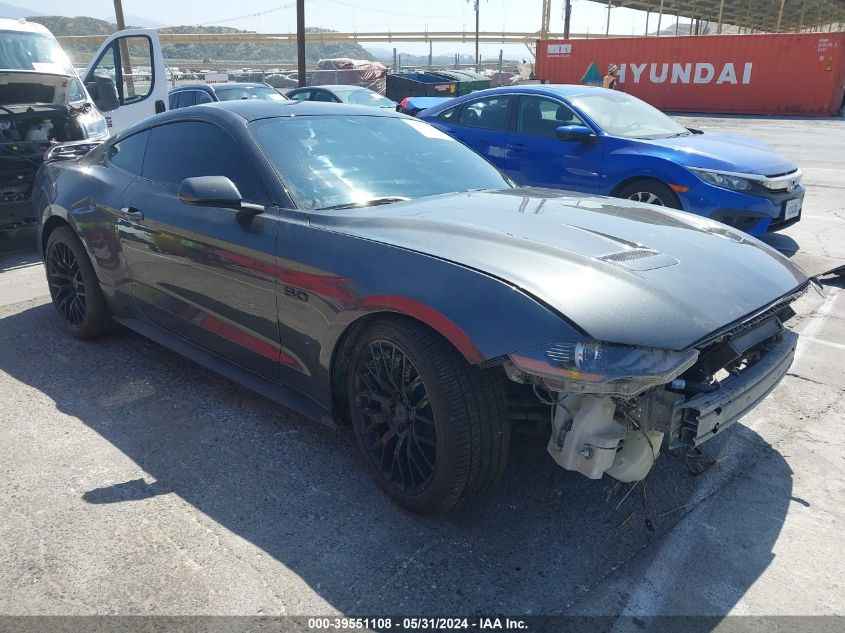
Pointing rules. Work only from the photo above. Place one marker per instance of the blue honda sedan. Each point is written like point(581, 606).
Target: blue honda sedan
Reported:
point(594, 140)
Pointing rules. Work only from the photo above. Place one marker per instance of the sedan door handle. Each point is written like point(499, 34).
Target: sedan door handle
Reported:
point(517, 147)
point(131, 213)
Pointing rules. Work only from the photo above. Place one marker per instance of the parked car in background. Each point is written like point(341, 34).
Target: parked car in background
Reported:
point(354, 95)
point(607, 142)
point(362, 266)
point(45, 103)
point(415, 105)
point(195, 94)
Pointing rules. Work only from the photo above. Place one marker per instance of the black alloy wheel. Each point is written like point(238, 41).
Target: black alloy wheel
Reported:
point(66, 284)
point(399, 432)
point(74, 286)
point(433, 429)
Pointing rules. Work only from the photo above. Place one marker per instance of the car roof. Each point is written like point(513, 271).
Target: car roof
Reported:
point(244, 111)
point(23, 26)
point(215, 87)
point(239, 84)
point(559, 90)
point(333, 87)
point(254, 109)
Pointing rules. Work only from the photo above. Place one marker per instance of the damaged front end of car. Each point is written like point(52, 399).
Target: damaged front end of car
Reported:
point(38, 111)
point(611, 406)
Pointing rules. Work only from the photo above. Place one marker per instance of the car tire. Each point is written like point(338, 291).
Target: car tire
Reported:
point(433, 429)
point(650, 192)
point(74, 287)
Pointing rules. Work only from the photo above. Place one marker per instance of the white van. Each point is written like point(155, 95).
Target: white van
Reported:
point(43, 101)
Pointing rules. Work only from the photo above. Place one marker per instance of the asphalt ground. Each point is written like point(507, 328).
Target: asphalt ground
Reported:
point(133, 481)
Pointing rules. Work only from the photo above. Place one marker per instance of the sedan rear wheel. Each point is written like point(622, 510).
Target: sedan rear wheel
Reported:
point(73, 284)
point(433, 429)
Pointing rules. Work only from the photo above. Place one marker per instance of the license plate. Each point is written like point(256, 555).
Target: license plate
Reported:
point(793, 208)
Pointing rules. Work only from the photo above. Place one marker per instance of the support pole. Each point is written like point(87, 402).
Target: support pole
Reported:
point(300, 41)
point(780, 16)
point(609, 7)
point(721, 12)
point(477, 54)
point(567, 17)
point(125, 60)
point(545, 19)
point(659, 18)
point(430, 50)
point(801, 19)
point(647, 15)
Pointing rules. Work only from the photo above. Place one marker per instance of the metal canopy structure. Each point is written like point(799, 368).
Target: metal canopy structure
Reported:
point(773, 16)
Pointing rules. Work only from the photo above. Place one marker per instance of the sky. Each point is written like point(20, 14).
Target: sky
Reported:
point(273, 16)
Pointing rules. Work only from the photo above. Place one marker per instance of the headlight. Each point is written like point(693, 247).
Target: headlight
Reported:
point(94, 126)
point(595, 367)
point(726, 181)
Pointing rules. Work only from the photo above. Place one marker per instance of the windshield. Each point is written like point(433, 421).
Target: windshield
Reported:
point(249, 92)
point(327, 161)
point(619, 114)
point(365, 98)
point(35, 52)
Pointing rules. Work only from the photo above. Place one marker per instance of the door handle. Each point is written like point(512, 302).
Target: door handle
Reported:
point(131, 213)
point(517, 147)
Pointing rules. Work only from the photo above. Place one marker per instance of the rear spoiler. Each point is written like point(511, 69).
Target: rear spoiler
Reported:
point(69, 151)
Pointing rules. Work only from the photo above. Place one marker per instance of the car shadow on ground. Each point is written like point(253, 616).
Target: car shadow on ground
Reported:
point(781, 242)
point(543, 542)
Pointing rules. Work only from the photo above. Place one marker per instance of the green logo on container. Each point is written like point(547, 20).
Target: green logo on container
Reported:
point(592, 77)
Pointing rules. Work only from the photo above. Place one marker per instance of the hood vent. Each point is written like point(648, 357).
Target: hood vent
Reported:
point(640, 259)
point(630, 255)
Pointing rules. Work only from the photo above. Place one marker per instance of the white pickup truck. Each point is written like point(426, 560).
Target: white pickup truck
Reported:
point(44, 102)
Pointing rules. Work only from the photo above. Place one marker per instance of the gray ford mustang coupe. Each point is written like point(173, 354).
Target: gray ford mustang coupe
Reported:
point(361, 266)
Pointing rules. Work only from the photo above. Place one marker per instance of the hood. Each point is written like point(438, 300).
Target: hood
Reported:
point(26, 87)
point(624, 273)
point(726, 152)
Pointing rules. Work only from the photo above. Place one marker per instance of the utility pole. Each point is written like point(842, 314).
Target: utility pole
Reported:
point(300, 41)
point(477, 55)
point(126, 62)
point(567, 17)
point(545, 19)
point(118, 15)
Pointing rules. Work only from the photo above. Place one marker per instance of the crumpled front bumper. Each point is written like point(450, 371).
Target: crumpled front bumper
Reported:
point(702, 417)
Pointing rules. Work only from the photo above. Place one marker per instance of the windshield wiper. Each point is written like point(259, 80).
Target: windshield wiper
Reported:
point(367, 203)
point(679, 134)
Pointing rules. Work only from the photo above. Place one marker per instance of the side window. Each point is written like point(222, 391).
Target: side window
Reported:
point(186, 98)
point(450, 115)
point(193, 148)
point(539, 116)
point(75, 93)
point(203, 97)
point(322, 95)
point(128, 153)
point(490, 113)
point(172, 100)
point(128, 61)
point(305, 95)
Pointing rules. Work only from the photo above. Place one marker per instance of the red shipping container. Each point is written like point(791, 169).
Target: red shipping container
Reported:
point(742, 74)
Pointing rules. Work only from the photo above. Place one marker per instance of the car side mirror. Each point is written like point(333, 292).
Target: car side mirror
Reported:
point(215, 191)
point(104, 93)
point(577, 133)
